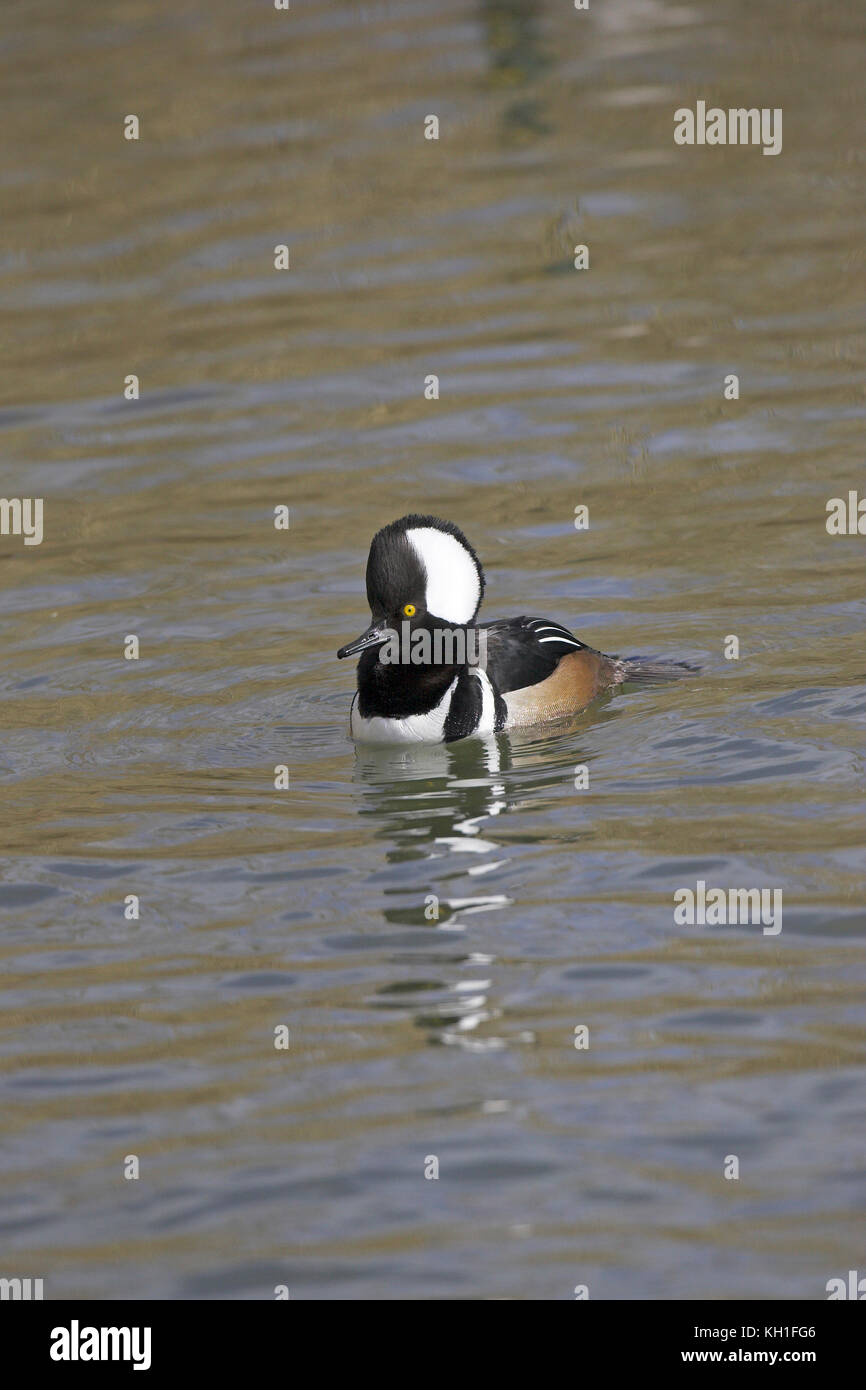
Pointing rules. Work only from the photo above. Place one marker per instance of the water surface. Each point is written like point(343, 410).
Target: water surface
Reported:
point(413, 1036)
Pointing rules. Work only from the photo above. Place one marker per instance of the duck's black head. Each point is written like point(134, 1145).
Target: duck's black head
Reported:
point(422, 570)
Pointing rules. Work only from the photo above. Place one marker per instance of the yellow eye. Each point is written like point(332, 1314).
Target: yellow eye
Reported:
point(409, 610)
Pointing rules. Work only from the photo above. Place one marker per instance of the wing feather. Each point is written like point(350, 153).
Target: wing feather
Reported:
point(523, 651)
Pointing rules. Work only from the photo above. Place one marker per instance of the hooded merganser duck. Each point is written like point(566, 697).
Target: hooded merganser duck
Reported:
point(425, 581)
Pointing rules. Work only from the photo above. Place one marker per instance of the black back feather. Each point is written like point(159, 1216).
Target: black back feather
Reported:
point(523, 651)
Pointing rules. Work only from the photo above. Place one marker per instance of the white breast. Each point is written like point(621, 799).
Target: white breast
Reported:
point(416, 728)
point(487, 722)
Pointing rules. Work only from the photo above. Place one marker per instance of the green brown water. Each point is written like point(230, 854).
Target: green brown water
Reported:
point(306, 908)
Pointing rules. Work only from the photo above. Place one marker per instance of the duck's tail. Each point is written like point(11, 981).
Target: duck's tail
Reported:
point(645, 670)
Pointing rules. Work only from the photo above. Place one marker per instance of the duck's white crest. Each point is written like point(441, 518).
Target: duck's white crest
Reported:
point(453, 585)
